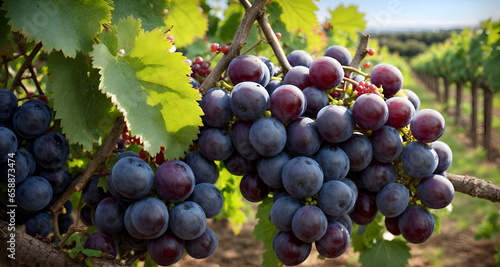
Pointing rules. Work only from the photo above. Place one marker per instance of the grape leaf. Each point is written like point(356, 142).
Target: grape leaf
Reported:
point(298, 14)
point(84, 111)
point(149, 11)
point(264, 231)
point(347, 19)
point(69, 26)
point(234, 13)
point(79, 246)
point(188, 21)
point(150, 86)
point(6, 38)
point(386, 253)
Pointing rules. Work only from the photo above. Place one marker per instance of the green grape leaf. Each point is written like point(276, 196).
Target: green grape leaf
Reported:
point(491, 69)
point(233, 208)
point(264, 231)
point(234, 13)
point(78, 239)
point(149, 11)
point(70, 26)
point(187, 21)
point(103, 183)
point(150, 86)
point(299, 14)
point(7, 44)
point(347, 19)
point(85, 112)
point(392, 253)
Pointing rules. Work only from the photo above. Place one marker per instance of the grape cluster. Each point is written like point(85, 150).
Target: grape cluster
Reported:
point(163, 212)
point(32, 162)
point(330, 155)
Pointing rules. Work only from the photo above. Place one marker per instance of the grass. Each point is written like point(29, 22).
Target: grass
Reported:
point(467, 211)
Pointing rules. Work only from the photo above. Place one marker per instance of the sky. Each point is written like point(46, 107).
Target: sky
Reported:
point(415, 15)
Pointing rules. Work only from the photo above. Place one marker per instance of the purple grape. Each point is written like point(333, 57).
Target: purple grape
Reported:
point(209, 197)
point(387, 144)
point(401, 111)
point(326, 73)
point(309, 223)
point(103, 242)
point(377, 174)
point(204, 170)
point(359, 150)
point(445, 156)
point(33, 194)
point(333, 161)
point(85, 216)
point(392, 225)
point(419, 159)
point(150, 217)
point(270, 168)
point(32, 119)
point(51, 150)
point(238, 165)
point(64, 223)
point(240, 135)
point(249, 100)
point(253, 188)
point(427, 125)
point(289, 249)
point(365, 210)
point(335, 241)
point(24, 167)
point(166, 249)
point(272, 85)
point(298, 76)
point(187, 220)
point(174, 181)
point(60, 179)
point(203, 246)
point(8, 104)
point(109, 215)
point(93, 194)
point(389, 77)
point(414, 99)
point(215, 106)
point(132, 242)
point(435, 192)
point(132, 177)
point(267, 75)
point(416, 224)
point(287, 103)
point(282, 212)
point(336, 198)
point(335, 123)
point(393, 199)
point(215, 143)
point(299, 58)
point(370, 112)
point(245, 68)
point(316, 99)
point(303, 138)
point(126, 154)
point(302, 177)
point(346, 221)
point(8, 143)
point(40, 224)
point(340, 53)
point(268, 136)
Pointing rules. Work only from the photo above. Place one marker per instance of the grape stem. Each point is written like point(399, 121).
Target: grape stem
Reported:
point(361, 52)
point(27, 64)
point(253, 46)
point(358, 71)
point(351, 81)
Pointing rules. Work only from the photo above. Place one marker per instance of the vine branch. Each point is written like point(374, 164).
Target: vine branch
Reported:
point(237, 44)
point(475, 187)
point(361, 52)
point(26, 64)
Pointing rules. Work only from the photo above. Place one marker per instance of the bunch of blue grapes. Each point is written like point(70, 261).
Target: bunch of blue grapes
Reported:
point(162, 212)
point(32, 163)
point(330, 151)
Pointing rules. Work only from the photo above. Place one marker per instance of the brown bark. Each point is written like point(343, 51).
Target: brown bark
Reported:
point(474, 89)
point(475, 187)
point(437, 89)
point(488, 108)
point(458, 107)
point(446, 94)
point(30, 251)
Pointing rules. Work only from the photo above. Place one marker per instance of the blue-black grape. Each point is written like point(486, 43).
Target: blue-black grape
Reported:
point(215, 143)
point(92, 193)
point(299, 58)
point(236, 164)
point(85, 215)
point(365, 210)
point(34, 193)
point(416, 224)
point(150, 217)
point(334, 242)
point(298, 76)
point(249, 100)
point(166, 249)
point(414, 99)
point(387, 144)
point(333, 161)
point(315, 100)
point(60, 179)
point(419, 159)
point(8, 143)
point(32, 118)
point(393, 199)
point(204, 170)
point(253, 188)
point(436, 192)
point(240, 135)
point(132, 242)
point(174, 181)
point(187, 220)
point(335, 123)
point(289, 249)
point(340, 53)
point(109, 215)
point(132, 177)
point(126, 154)
point(267, 136)
point(377, 174)
point(309, 223)
point(445, 156)
point(336, 198)
point(103, 242)
point(40, 224)
point(270, 168)
point(8, 104)
point(392, 225)
point(51, 150)
point(64, 223)
point(215, 106)
point(202, 246)
point(359, 150)
point(346, 221)
point(303, 138)
point(209, 197)
point(302, 177)
point(282, 212)
point(24, 166)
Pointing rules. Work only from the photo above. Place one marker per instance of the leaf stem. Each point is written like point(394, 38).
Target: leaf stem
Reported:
point(24, 66)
